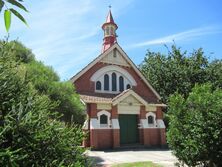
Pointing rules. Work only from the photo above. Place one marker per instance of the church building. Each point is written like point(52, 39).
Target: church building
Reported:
point(122, 107)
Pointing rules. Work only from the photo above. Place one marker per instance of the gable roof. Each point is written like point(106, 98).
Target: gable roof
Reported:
point(97, 59)
point(118, 98)
point(127, 93)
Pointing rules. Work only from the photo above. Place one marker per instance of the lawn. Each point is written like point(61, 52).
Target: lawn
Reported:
point(137, 164)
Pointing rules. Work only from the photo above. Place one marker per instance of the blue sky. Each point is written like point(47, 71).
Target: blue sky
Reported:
point(67, 34)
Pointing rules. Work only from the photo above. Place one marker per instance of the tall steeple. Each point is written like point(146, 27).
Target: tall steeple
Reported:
point(109, 28)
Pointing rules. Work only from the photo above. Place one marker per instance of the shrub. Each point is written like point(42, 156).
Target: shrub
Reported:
point(195, 128)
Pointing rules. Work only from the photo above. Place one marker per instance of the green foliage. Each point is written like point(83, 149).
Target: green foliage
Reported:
point(176, 71)
point(195, 128)
point(12, 83)
point(214, 72)
point(7, 17)
point(29, 137)
point(46, 82)
point(18, 51)
point(17, 14)
point(8, 11)
point(68, 102)
point(30, 133)
point(41, 76)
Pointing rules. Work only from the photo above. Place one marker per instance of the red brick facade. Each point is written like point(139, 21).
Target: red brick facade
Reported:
point(110, 138)
point(104, 106)
point(85, 85)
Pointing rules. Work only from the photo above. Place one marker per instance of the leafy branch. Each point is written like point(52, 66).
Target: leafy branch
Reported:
point(8, 11)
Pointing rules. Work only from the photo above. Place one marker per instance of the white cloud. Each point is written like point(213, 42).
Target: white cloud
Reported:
point(182, 36)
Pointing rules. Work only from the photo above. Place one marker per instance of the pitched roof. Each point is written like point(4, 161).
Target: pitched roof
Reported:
point(97, 59)
point(88, 98)
point(125, 94)
point(109, 20)
point(95, 99)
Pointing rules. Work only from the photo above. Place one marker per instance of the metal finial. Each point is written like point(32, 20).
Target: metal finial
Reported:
point(110, 6)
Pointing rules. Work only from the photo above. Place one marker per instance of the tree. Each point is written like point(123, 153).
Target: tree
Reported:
point(9, 10)
point(30, 133)
point(195, 127)
point(214, 72)
point(47, 82)
point(177, 71)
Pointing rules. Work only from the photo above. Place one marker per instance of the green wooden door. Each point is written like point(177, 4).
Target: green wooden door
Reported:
point(128, 129)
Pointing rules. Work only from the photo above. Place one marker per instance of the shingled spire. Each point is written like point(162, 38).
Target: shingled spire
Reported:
point(109, 28)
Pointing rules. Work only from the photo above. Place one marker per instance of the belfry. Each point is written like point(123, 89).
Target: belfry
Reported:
point(109, 28)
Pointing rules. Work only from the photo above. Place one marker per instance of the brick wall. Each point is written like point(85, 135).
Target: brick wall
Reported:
point(101, 138)
point(83, 83)
point(159, 113)
point(151, 137)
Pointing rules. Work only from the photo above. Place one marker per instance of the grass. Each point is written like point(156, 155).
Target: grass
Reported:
point(137, 164)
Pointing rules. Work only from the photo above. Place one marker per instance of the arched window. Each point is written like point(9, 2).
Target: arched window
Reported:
point(106, 82)
point(128, 86)
point(111, 31)
point(98, 85)
point(121, 84)
point(107, 31)
point(150, 119)
point(103, 119)
point(113, 81)
point(114, 53)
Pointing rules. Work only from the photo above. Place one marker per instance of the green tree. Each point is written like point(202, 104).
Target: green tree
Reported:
point(47, 82)
point(69, 104)
point(30, 133)
point(195, 127)
point(176, 71)
point(214, 72)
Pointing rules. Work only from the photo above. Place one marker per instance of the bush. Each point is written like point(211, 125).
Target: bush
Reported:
point(30, 133)
point(195, 128)
point(28, 137)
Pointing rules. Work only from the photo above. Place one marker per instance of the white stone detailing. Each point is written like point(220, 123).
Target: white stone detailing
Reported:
point(94, 123)
point(160, 123)
point(102, 106)
point(115, 57)
point(154, 119)
point(127, 94)
point(144, 124)
point(115, 124)
point(104, 126)
point(128, 109)
point(130, 100)
point(99, 76)
point(150, 108)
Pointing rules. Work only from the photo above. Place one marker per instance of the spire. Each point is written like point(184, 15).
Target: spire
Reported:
point(109, 18)
point(109, 28)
